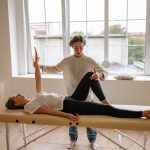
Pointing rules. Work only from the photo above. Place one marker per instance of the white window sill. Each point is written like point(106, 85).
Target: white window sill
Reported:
point(50, 76)
point(60, 76)
point(137, 78)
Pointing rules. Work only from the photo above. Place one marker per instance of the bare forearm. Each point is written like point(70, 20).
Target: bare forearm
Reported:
point(37, 73)
point(44, 110)
point(38, 79)
point(48, 111)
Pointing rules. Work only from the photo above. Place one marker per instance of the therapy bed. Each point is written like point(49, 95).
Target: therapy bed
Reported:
point(19, 116)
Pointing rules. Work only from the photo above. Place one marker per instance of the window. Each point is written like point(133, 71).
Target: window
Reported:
point(89, 21)
point(46, 29)
point(116, 33)
point(127, 26)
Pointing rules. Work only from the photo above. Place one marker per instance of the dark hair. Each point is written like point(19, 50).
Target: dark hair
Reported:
point(77, 38)
point(10, 104)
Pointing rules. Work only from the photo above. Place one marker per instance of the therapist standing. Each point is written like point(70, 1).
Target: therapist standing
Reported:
point(74, 68)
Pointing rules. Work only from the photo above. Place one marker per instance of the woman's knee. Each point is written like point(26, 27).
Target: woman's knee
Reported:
point(89, 74)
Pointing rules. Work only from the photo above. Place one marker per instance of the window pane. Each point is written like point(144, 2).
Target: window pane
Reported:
point(46, 29)
point(87, 18)
point(139, 7)
point(127, 36)
point(36, 13)
point(78, 27)
point(136, 26)
point(95, 28)
point(136, 35)
point(95, 48)
point(77, 10)
point(53, 10)
point(38, 8)
point(48, 53)
point(95, 10)
point(117, 9)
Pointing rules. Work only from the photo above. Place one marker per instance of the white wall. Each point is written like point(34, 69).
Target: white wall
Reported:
point(121, 92)
point(117, 91)
point(5, 62)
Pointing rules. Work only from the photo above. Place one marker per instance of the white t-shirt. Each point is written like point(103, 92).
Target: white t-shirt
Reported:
point(49, 100)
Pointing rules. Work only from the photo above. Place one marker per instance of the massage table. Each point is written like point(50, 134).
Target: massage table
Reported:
point(95, 121)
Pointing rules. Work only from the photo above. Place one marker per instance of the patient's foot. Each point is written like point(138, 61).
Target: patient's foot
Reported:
point(146, 113)
point(105, 101)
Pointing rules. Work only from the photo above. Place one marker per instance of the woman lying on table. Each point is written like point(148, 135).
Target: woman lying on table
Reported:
point(70, 106)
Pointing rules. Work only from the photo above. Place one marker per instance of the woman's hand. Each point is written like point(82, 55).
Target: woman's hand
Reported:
point(73, 117)
point(36, 60)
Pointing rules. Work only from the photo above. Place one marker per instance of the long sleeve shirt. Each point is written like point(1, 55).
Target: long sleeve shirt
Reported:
point(73, 70)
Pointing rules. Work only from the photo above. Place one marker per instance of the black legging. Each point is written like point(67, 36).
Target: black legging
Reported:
point(82, 90)
point(76, 103)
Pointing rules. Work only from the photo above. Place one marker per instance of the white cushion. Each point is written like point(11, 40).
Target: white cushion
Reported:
point(124, 76)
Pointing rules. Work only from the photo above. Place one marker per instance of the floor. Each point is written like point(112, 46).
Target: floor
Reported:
point(58, 139)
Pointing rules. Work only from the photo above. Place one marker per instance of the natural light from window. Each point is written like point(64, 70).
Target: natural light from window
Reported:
point(50, 23)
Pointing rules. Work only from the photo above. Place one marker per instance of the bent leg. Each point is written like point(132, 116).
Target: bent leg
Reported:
point(82, 90)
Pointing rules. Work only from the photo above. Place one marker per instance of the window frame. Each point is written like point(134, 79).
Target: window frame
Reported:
point(24, 42)
point(147, 40)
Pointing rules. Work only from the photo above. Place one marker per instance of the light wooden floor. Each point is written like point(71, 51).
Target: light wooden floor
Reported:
point(58, 139)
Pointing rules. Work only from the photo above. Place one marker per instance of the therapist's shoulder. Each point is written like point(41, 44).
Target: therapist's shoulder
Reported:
point(90, 59)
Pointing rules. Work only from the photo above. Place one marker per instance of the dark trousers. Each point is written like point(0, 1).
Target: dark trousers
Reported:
point(76, 103)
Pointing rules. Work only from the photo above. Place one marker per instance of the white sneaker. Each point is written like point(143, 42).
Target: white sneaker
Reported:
point(71, 145)
point(94, 146)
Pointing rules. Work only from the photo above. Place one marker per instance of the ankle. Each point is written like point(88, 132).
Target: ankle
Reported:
point(105, 101)
point(146, 113)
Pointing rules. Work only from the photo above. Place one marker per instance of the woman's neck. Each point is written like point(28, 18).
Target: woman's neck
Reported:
point(26, 101)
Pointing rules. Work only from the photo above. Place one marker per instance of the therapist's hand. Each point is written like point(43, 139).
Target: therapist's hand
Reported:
point(95, 75)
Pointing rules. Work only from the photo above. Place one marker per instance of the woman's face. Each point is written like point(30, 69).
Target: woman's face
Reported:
point(19, 99)
point(78, 49)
